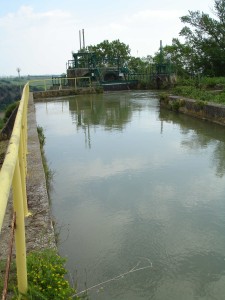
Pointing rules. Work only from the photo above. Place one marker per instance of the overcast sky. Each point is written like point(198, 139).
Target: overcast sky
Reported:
point(39, 36)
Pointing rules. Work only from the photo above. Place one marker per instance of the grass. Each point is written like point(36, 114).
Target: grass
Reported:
point(48, 172)
point(204, 89)
point(46, 277)
point(12, 277)
point(1, 123)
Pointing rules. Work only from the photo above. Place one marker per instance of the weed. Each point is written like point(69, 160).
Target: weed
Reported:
point(10, 108)
point(48, 172)
point(12, 276)
point(46, 277)
point(164, 97)
point(41, 136)
point(200, 104)
point(1, 123)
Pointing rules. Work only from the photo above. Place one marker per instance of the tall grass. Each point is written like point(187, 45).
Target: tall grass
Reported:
point(48, 172)
point(205, 89)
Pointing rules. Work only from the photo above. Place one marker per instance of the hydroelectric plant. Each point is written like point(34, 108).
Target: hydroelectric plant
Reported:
point(112, 72)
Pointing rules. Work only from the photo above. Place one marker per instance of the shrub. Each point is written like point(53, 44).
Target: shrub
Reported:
point(46, 277)
point(164, 97)
point(41, 135)
point(1, 123)
point(9, 110)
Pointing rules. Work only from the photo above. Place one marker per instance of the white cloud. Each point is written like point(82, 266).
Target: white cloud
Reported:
point(40, 40)
point(159, 15)
point(37, 42)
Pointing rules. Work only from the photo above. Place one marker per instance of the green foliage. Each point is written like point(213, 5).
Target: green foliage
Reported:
point(1, 123)
point(175, 105)
point(206, 38)
point(48, 172)
point(193, 93)
point(46, 277)
point(200, 104)
point(9, 93)
point(164, 97)
point(110, 51)
point(9, 110)
point(41, 136)
point(203, 50)
point(12, 276)
point(99, 90)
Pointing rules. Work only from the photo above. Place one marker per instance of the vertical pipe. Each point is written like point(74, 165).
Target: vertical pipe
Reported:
point(23, 174)
point(83, 39)
point(21, 262)
point(161, 54)
point(80, 38)
point(75, 84)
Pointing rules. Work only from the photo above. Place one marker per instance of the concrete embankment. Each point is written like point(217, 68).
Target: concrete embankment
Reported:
point(204, 110)
point(61, 93)
point(39, 228)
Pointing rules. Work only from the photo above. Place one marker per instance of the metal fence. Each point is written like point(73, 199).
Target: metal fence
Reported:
point(60, 83)
point(13, 175)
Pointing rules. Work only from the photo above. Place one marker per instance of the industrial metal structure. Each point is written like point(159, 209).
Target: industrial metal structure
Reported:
point(112, 73)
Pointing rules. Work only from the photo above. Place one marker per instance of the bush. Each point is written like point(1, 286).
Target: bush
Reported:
point(46, 277)
point(9, 110)
point(41, 135)
point(1, 123)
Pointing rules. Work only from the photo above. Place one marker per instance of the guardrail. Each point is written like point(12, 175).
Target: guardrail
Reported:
point(59, 83)
point(13, 174)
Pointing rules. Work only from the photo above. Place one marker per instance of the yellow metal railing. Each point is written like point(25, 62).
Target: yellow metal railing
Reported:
point(13, 174)
point(60, 83)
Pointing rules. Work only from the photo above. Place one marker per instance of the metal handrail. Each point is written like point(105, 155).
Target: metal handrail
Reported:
point(13, 174)
point(74, 81)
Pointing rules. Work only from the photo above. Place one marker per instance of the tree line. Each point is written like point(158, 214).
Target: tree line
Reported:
point(201, 53)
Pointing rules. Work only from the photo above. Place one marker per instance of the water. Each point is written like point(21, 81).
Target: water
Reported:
point(137, 187)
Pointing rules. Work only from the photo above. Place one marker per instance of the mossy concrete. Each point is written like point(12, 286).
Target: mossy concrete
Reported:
point(209, 111)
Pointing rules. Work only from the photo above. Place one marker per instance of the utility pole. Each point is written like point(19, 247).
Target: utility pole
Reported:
point(18, 70)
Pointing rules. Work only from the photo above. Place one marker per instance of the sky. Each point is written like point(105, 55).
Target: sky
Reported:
point(39, 36)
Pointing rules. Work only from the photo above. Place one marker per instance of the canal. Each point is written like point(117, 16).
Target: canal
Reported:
point(137, 196)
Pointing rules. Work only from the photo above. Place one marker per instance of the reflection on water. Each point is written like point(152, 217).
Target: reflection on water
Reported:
point(136, 186)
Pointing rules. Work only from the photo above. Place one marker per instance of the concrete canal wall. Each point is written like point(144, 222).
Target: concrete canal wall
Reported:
point(204, 110)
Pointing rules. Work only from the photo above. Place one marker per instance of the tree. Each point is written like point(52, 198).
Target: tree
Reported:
point(108, 53)
point(180, 57)
point(205, 40)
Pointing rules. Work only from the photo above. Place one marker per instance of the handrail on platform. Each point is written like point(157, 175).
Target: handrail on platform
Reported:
point(61, 82)
point(13, 174)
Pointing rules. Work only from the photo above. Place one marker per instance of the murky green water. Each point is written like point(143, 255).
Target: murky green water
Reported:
point(137, 188)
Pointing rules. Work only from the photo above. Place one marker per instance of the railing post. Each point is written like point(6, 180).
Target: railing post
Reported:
point(22, 164)
point(75, 83)
point(21, 261)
